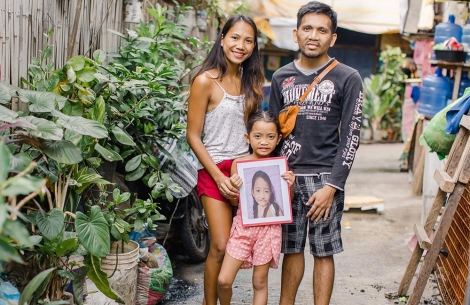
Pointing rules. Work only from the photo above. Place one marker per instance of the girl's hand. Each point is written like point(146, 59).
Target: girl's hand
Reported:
point(226, 188)
point(289, 177)
point(236, 181)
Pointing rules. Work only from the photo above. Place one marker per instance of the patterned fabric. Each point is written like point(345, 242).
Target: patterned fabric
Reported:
point(325, 235)
point(224, 129)
point(257, 245)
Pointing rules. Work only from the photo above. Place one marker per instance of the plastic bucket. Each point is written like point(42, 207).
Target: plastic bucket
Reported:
point(124, 266)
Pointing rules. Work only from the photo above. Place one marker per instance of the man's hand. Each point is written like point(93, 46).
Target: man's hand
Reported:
point(321, 201)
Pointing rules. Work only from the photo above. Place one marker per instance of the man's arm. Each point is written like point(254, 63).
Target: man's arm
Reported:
point(351, 120)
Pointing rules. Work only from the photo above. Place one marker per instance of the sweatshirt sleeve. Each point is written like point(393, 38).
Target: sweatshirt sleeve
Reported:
point(275, 97)
point(350, 130)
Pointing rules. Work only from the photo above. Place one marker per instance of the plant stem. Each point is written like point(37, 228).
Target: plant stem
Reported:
point(24, 200)
point(135, 106)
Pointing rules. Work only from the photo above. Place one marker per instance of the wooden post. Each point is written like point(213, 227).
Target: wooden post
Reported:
point(73, 33)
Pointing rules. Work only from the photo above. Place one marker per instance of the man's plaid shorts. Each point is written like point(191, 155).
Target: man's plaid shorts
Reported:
point(324, 235)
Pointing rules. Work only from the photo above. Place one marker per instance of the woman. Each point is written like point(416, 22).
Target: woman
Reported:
point(223, 94)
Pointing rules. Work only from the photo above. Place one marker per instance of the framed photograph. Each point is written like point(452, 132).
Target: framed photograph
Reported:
point(264, 195)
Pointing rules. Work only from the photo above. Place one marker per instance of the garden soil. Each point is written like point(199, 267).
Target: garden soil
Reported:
point(376, 245)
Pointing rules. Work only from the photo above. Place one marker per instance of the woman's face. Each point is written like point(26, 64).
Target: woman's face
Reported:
point(239, 42)
point(261, 192)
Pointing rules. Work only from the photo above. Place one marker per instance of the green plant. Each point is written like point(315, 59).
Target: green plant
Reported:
point(147, 92)
point(384, 92)
point(15, 190)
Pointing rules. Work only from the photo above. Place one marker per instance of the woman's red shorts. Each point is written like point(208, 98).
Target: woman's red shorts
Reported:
point(207, 186)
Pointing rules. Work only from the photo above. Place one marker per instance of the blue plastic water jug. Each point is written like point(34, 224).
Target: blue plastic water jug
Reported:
point(466, 33)
point(446, 30)
point(436, 91)
point(464, 83)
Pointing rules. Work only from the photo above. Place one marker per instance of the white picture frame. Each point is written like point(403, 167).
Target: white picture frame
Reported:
point(268, 213)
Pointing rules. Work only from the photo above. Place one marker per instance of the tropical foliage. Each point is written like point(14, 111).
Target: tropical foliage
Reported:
point(54, 201)
point(384, 92)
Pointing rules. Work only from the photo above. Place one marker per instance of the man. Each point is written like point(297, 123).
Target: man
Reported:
point(320, 150)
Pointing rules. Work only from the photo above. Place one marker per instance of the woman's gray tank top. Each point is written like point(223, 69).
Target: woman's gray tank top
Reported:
point(224, 128)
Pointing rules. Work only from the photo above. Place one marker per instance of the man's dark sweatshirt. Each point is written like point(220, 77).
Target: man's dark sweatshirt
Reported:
point(326, 134)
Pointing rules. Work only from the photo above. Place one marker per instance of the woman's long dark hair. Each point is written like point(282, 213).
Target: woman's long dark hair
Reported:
point(272, 198)
point(252, 68)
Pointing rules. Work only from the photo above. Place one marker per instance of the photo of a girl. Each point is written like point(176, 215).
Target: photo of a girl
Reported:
point(264, 197)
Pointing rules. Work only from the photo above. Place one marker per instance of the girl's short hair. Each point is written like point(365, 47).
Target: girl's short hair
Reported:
point(266, 116)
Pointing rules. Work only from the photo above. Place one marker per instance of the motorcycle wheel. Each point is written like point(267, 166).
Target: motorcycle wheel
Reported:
point(195, 236)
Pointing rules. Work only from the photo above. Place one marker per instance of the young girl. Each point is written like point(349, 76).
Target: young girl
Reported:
point(257, 245)
point(226, 90)
point(264, 199)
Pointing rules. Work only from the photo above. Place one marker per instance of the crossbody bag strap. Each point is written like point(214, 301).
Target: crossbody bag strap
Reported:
point(317, 79)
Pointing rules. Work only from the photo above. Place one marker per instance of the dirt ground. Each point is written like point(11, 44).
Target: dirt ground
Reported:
point(376, 245)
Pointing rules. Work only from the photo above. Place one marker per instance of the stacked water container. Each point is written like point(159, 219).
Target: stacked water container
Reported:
point(446, 30)
point(464, 83)
point(436, 92)
point(466, 33)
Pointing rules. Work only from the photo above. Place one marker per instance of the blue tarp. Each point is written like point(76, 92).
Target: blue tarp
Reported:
point(454, 114)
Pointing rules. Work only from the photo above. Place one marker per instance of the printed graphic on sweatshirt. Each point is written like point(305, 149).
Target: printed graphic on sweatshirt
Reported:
point(316, 104)
point(349, 152)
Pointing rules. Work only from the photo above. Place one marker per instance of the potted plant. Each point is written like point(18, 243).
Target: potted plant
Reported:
point(384, 94)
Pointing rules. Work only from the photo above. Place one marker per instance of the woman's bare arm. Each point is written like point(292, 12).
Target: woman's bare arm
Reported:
point(199, 98)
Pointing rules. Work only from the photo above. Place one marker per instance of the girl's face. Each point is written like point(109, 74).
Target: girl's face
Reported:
point(261, 192)
point(263, 138)
point(239, 42)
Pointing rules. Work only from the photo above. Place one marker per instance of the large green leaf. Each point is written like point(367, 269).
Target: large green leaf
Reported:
point(7, 252)
point(17, 232)
point(48, 84)
point(136, 174)
point(122, 136)
point(62, 151)
point(108, 154)
point(79, 283)
point(133, 163)
point(100, 278)
point(73, 108)
point(20, 161)
point(67, 246)
point(86, 74)
point(85, 180)
point(51, 224)
point(23, 186)
point(81, 125)
point(45, 129)
point(5, 96)
point(41, 101)
point(93, 232)
point(5, 161)
point(99, 56)
point(77, 62)
point(7, 115)
point(98, 111)
point(73, 136)
point(37, 281)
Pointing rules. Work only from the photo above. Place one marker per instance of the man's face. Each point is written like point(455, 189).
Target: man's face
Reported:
point(314, 35)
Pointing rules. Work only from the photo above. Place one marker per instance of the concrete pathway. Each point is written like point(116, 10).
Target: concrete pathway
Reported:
point(376, 251)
